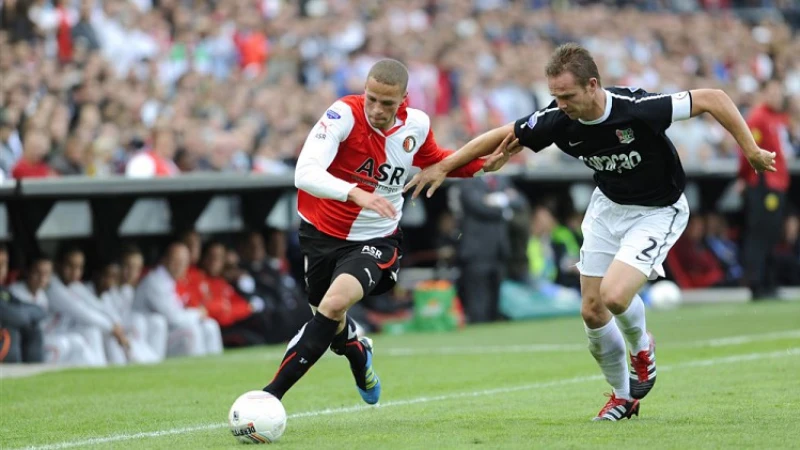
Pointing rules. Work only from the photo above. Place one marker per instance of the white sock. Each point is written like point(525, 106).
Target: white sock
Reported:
point(607, 346)
point(633, 326)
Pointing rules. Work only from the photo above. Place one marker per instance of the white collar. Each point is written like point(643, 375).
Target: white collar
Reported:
point(605, 115)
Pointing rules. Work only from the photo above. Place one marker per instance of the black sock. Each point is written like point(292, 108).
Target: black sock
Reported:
point(346, 343)
point(312, 341)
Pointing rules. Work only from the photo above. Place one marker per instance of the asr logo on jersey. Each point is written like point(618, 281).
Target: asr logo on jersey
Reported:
point(381, 172)
point(613, 163)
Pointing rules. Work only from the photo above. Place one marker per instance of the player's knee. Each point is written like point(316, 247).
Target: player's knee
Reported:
point(594, 312)
point(613, 296)
point(334, 306)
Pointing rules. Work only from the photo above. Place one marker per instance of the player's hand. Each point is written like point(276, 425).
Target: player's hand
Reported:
point(508, 148)
point(432, 175)
point(372, 202)
point(119, 334)
point(762, 160)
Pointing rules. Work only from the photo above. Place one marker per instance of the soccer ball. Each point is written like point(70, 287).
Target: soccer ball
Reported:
point(257, 417)
point(665, 294)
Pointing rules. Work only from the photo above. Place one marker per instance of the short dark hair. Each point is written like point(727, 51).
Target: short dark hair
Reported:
point(574, 59)
point(209, 245)
point(128, 250)
point(390, 72)
point(66, 250)
point(35, 259)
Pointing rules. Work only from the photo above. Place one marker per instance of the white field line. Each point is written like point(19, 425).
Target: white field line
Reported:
point(413, 401)
point(545, 348)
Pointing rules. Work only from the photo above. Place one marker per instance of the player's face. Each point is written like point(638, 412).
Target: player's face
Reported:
point(72, 269)
point(40, 275)
point(381, 102)
point(132, 269)
point(178, 262)
point(574, 100)
point(192, 240)
point(773, 96)
point(109, 278)
point(215, 261)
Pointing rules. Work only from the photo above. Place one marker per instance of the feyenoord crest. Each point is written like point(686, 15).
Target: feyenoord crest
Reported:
point(625, 136)
point(409, 144)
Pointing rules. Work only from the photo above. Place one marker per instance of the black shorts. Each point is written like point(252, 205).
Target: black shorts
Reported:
point(374, 263)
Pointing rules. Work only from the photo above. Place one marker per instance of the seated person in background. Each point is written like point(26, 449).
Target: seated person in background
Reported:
point(194, 275)
point(548, 260)
point(241, 323)
point(567, 241)
point(691, 263)
point(62, 345)
point(152, 327)
point(787, 253)
point(724, 249)
point(105, 288)
point(20, 331)
point(270, 280)
point(83, 311)
point(191, 331)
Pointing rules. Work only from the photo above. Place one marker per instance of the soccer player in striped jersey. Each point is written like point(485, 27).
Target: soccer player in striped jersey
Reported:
point(350, 176)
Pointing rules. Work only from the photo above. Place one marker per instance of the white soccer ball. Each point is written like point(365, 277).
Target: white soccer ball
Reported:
point(665, 294)
point(257, 417)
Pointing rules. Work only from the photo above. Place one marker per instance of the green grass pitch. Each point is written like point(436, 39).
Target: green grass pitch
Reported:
point(728, 377)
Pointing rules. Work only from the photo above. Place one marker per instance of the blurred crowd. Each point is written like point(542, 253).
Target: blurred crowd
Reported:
point(201, 295)
point(88, 86)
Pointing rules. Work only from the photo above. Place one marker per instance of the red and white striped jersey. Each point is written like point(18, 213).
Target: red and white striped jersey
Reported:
point(344, 151)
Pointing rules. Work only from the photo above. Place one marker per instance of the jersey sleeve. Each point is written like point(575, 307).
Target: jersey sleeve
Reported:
point(320, 149)
point(660, 110)
point(430, 153)
point(536, 131)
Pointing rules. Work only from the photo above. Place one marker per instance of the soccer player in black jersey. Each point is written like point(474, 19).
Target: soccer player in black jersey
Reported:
point(637, 211)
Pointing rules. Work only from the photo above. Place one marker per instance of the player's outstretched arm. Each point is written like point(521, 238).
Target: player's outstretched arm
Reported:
point(483, 145)
point(721, 107)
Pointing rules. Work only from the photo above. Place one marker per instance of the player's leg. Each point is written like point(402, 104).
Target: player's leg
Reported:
point(212, 335)
point(317, 334)
point(114, 352)
point(606, 343)
point(157, 333)
point(32, 343)
point(94, 343)
point(642, 252)
point(186, 340)
point(377, 271)
point(607, 347)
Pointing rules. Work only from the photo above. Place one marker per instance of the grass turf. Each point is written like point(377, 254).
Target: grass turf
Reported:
point(728, 378)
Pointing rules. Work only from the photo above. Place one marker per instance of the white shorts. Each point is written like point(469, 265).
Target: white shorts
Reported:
point(639, 236)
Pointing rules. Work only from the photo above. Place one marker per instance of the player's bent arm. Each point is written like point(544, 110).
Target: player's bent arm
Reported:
point(478, 147)
point(311, 174)
point(721, 107)
point(318, 152)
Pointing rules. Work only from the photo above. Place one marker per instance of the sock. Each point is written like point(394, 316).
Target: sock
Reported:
point(303, 351)
point(632, 324)
point(346, 343)
point(607, 346)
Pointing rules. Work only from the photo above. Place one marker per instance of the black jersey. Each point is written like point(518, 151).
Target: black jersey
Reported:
point(634, 161)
